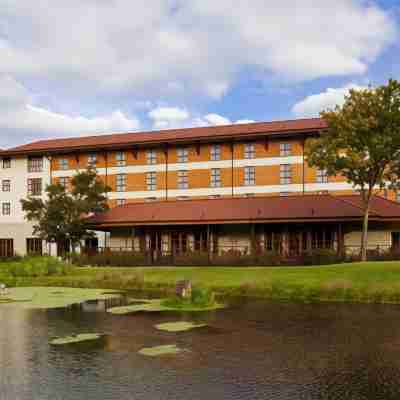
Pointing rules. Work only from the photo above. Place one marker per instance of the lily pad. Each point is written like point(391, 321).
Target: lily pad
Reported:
point(157, 305)
point(50, 297)
point(82, 337)
point(180, 326)
point(160, 350)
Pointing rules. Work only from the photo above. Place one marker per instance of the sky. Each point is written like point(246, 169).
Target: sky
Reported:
point(81, 67)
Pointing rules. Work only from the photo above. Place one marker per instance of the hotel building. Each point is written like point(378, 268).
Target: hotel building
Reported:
point(245, 187)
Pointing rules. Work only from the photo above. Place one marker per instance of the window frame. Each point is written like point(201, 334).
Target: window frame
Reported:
point(215, 178)
point(63, 164)
point(64, 181)
point(151, 180)
point(33, 184)
point(6, 185)
point(6, 162)
point(182, 155)
point(120, 158)
point(151, 156)
point(6, 208)
point(183, 179)
point(249, 175)
point(120, 182)
point(249, 151)
point(92, 159)
point(285, 174)
point(120, 202)
point(35, 164)
point(215, 152)
point(321, 176)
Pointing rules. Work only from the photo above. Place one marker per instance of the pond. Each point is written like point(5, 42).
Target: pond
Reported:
point(252, 350)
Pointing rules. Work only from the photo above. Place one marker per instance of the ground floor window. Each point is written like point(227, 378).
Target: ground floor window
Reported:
point(6, 247)
point(34, 246)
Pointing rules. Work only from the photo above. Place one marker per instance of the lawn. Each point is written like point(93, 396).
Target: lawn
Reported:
point(363, 282)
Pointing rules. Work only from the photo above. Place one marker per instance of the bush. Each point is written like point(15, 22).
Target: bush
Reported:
point(321, 257)
point(201, 298)
point(37, 266)
point(120, 259)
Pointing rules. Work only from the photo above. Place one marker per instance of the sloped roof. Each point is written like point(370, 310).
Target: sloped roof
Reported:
point(300, 208)
point(119, 140)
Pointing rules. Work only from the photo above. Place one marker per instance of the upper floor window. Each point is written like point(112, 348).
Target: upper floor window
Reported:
point(120, 182)
point(285, 174)
point(249, 194)
point(151, 157)
point(183, 155)
point(215, 152)
point(35, 186)
point(249, 176)
point(63, 163)
point(322, 176)
point(249, 150)
point(148, 199)
point(215, 177)
point(6, 208)
point(183, 180)
point(285, 149)
point(92, 160)
point(6, 185)
point(6, 162)
point(120, 158)
point(35, 164)
point(151, 180)
point(64, 181)
point(121, 202)
point(284, 194)
point(183, 198)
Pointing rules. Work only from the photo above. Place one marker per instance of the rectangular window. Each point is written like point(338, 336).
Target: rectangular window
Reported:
point(285, 149)
point(63, 163)
point(6, 185)
point(151, 180)
point(35, 187)
point(215, 152)
point(151, 157)
point(183, 155)
point(215, 177)
point(6, 208)
point(120, 158)
point(121, 202)
point(64, 181)
point(249, 176)
point(6, 162)
point(322, 176)
point(183, 180)
point(6, 247)
point(285, 174)
point(35, 164)
point(284, 194)
point(92, 160)
point(121, 182)
point(249, 150)
point(34, 246)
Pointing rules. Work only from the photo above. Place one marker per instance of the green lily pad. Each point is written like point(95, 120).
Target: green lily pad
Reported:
point(50, 297)
point(82, 337)
point(160, 350)
point(180, 326)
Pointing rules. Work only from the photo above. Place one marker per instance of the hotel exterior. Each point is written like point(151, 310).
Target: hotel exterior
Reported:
point(245, 188)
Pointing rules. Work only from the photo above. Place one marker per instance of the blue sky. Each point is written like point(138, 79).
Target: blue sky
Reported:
point(79, 67)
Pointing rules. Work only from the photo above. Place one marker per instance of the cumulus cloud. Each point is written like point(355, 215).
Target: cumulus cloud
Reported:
point(312, 105)
point(172, 47)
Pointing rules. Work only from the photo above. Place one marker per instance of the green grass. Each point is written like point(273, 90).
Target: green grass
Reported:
point(359, 282)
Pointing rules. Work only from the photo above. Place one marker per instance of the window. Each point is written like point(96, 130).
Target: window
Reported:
point(215, 153)
point(215, 177)
point(249, 195)
point(183, 155)
point(6, 185)
point(149, 199)
point(151, 156)
point(34, 246)
point(322, 176)
point(6, 208)
point(214, 196)
point(183, 180)
point(64, 181)
point(35, 164)
point(92, 160)
point(121, 202)
point(120, 158)
point(249, 176)
point(182, 198)
point(285, 174)
point(249, 150)
point(6, 247)
point(285, 149)
point(35, 187)
point(6, 162)
point(63, 163)
point(151, 180)
point(284, 194)
point(121, 183)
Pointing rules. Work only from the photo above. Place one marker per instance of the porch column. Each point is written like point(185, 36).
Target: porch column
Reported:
point(340, 240)
point(253, 245)
point(285, 242)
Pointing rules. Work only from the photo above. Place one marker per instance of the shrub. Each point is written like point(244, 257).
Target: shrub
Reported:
point(38, 266)
point(120, 259)
point(321, 257)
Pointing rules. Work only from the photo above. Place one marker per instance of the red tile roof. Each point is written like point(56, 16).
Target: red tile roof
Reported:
point(120, 140)
point(300, 208)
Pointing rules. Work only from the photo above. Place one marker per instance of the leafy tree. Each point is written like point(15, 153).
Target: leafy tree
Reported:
point(61, 216)
point(362, 143)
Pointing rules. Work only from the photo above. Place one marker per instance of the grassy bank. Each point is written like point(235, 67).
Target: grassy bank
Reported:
point(356, 282)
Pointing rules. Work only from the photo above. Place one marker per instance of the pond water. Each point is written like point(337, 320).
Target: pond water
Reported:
point(253, 350)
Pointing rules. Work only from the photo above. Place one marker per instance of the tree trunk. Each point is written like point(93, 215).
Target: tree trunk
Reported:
point(364, 237)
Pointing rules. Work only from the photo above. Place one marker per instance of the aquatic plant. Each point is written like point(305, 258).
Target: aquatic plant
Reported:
point(180, 326)
point(160, 350)
point(73, 339)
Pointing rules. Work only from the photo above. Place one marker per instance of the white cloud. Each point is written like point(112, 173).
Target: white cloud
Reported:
point(312, 105)
point(175, 47)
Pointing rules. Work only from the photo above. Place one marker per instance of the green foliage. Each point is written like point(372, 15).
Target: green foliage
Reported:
point(321, 257)
point(201, 298)
point(120, 259)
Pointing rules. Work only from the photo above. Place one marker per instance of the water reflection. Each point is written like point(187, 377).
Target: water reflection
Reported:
point(253, 350)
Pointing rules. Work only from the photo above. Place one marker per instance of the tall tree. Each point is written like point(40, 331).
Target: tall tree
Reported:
point(61, 215)
point(362, 143)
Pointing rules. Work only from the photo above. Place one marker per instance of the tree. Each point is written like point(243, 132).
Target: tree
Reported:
point(362, 143)
point(61, 216)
